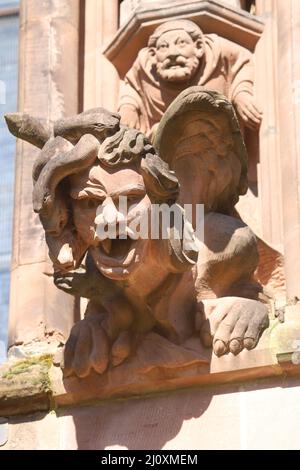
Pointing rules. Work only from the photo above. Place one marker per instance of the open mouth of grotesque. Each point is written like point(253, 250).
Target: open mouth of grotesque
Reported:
point(117, 248)
point(115, 254)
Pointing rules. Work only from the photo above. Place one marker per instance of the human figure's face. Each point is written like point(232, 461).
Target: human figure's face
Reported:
point(176, 56)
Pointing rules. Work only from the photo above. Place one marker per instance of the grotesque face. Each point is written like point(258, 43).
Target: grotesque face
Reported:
point(103, 221)
point(177, 56)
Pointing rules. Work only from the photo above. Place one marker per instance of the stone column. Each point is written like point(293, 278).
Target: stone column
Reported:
point(48, 87)
point(269, 168)
point(101, 81)
point(288, 20)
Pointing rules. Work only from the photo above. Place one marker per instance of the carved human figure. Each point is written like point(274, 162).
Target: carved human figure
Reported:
point(178, 56)
point(137, 284)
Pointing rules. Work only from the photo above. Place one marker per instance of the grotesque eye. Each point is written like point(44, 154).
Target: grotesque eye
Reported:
point(133, 200)
point(132, 143)
point(92, 203)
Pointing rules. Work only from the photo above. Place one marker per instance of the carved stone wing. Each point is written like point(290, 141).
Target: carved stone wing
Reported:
point(200, 138)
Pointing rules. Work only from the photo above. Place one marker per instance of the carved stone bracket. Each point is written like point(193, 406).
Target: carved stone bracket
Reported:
point(32, 384)
point(211, 16)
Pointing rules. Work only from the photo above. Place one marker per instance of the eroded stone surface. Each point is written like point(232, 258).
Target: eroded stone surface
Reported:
point(178, 56)
point(25, 385)
point(137, 284)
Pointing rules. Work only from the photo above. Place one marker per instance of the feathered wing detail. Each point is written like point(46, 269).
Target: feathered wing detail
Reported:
point(200, 138)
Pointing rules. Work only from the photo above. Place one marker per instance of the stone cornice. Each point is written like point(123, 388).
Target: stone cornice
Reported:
point(35, 384)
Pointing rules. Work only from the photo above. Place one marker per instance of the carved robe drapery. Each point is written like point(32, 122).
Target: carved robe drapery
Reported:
point(226, 67)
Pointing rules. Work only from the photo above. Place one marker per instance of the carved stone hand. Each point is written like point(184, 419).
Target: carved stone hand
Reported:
point(129, 116)
point(248, 110)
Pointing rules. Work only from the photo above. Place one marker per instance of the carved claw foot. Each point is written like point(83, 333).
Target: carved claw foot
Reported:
point(231, 324)
point(89, 348)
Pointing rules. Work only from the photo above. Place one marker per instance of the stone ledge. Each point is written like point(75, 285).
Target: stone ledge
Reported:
point(25, 386)
point(158, 368)
point(35, 384)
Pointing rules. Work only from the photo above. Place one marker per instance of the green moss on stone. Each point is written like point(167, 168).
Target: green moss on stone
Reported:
point(35, 369)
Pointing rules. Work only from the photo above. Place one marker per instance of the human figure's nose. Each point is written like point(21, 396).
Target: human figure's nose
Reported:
point(173, 51)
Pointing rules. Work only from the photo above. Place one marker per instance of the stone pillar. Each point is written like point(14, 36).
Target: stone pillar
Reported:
point(101, 81)
point(269, 168)
point(288, 20)
point(48, 87)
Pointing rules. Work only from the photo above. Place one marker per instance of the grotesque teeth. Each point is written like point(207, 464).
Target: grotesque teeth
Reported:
point(106, 245)
point(131, 234)
point(65, 255)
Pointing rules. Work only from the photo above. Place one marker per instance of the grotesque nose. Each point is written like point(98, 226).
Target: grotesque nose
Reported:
point(108, 213)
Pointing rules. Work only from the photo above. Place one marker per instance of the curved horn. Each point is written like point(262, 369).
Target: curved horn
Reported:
point(36, 131)
point(161, 181)
point(81, 156)
point(52, 148)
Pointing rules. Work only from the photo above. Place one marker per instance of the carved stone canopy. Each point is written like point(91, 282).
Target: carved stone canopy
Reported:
point(212, 17)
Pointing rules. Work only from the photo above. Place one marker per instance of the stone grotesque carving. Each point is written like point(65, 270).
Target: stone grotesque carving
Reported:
point(137, 285)
point(178, 56)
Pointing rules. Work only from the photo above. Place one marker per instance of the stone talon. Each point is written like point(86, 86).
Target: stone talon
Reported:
point(220, 348)
point(232, 320)
point(235, 346)
point(121, 349)
point(249, 343)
